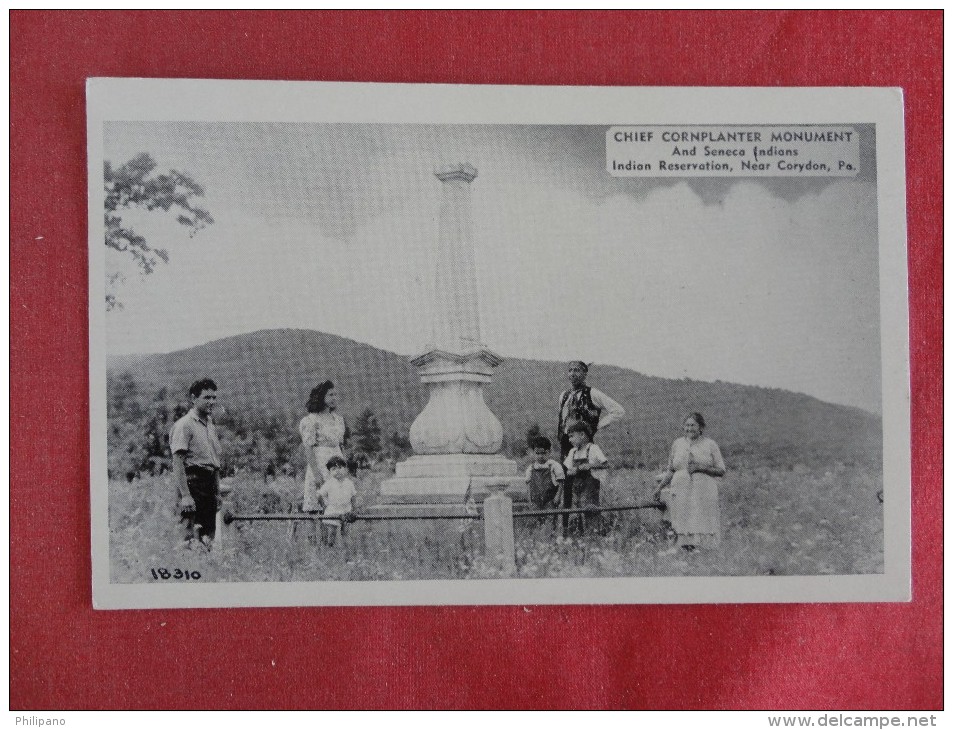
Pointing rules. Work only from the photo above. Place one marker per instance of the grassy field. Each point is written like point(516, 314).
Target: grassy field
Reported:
point(797, 522)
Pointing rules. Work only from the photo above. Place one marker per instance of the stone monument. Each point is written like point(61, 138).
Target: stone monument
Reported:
point(456, 438)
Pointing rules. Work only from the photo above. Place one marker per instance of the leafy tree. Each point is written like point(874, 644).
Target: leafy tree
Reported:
point(367, 434)
point(138, 427)
point(135, 185)
point(258, 443)
point(123, 397)
point(398, 445)
point(127, 452)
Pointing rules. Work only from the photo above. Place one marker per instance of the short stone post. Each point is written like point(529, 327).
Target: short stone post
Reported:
point(221, 540)
point(498, 531)
point(224, 526)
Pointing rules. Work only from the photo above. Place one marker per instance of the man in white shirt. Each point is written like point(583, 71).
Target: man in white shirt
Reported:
point(584, 403)
point(196, 463)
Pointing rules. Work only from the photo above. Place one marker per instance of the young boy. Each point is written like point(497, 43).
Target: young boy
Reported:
point(339, 498)
point(545, 476)
point(585, 466)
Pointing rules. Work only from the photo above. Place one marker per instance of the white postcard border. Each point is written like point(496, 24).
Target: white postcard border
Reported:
point(244, 101)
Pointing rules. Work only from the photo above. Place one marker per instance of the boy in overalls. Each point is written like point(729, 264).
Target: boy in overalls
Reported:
point(544, 476)
point(585, 466)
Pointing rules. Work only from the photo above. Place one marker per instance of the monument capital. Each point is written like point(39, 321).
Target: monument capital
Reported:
point(456, 171)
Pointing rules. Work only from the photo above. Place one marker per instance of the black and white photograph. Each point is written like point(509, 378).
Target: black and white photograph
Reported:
point(396, 344)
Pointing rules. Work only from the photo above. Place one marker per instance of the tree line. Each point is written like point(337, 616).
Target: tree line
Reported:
point(139, 420)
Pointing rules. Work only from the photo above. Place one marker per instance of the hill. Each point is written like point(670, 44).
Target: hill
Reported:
point(272, 372)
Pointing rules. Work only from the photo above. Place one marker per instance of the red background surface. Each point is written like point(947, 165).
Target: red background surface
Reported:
point(65, 655)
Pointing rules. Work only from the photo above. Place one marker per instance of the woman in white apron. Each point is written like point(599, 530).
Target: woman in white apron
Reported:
point(689, 489)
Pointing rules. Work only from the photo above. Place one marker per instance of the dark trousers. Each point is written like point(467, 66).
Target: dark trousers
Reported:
point(586, 490)
point(564, 448)
point(541, 489)
point(203, 486)
point(541, 494)
point(581, 491)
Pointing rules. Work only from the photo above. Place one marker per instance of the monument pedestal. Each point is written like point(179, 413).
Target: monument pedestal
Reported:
point(453, 479)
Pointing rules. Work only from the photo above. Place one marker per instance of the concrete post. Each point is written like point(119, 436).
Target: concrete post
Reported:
point(224, 529)
point(221, 539)
point(498, 531)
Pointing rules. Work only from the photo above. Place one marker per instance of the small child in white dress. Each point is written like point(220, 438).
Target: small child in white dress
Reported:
point(339, 497)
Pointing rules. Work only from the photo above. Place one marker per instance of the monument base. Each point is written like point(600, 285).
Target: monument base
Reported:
point(453, 479)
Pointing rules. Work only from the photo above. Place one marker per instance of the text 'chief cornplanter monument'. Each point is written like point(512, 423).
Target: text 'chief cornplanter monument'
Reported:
point(456, 438)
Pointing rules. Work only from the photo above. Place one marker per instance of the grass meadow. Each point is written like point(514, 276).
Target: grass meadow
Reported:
point(774, 522)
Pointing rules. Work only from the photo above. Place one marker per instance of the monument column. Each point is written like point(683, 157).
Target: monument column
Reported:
point(456, 438)
point(456, 324)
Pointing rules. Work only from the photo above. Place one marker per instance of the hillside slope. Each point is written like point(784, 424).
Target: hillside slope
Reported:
point(272, 371)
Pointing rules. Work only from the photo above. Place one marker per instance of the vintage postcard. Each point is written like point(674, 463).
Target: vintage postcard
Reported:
point(371, 344)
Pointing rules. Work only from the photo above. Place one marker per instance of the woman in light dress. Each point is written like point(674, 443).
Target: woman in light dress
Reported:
point(689, 489)
point(322, 434)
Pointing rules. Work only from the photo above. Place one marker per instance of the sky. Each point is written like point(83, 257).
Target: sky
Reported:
point(333, 227)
